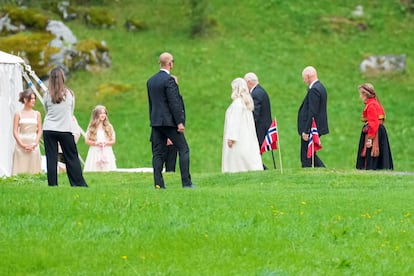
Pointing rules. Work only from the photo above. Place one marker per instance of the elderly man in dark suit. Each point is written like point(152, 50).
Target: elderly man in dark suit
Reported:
point(167, 117)
point(262, 112)
point(314, 105)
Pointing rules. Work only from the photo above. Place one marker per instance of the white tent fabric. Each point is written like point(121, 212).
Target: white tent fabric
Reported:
point(11, 84)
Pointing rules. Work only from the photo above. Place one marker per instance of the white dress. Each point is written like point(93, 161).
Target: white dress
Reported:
point(100, 159)
point(244, 155)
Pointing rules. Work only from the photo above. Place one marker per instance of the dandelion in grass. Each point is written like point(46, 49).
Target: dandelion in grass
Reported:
point(157, 187)
point(366, 215)
point(277, 213)
point(125, 258)
point(385, 244)
point(303, 203)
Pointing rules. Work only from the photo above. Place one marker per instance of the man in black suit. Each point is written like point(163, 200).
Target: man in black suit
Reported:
point(167, 117)
point(314, 105)
point(262, 113)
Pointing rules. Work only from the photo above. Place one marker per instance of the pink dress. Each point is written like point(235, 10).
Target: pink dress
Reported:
point(27, 162)
point(100, 159)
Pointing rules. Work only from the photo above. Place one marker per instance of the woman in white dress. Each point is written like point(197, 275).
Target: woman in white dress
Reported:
point(240, 148)
point(27, 130)
point(100, 136)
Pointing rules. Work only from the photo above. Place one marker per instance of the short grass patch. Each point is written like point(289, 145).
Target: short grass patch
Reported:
point(313, 222)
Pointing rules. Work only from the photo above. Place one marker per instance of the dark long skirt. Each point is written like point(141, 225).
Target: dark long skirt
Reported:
point(383, 161)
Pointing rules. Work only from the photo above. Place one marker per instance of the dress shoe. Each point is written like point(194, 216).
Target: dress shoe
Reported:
point(158, 187)
point(191, 186)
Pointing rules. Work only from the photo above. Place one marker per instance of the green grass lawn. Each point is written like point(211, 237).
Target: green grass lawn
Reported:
point(301, 222)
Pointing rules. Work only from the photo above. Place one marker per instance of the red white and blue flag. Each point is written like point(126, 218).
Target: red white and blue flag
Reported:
point(314, 144)
point(270, 140)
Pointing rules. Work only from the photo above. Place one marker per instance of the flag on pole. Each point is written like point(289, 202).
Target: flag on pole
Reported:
point(314, 144)
point(270, 140)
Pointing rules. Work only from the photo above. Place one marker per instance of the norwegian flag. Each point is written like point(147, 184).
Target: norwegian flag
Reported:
point(314, 144)
point(270, 140)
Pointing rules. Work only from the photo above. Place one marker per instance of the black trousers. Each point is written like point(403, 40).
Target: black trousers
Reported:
point(159, 147)
point(170, 158)
point(307, 162)
point(70, 153)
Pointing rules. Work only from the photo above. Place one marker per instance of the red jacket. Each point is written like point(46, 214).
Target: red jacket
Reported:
point(373, 115)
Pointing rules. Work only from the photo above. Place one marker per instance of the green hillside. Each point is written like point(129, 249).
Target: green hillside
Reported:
point(276, 40)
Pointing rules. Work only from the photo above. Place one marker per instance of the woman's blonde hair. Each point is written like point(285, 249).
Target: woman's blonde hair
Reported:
point(240, 90)
point(94, 123)
point(367, 89)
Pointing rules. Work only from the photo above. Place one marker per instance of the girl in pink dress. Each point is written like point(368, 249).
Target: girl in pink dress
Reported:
point(100, 136)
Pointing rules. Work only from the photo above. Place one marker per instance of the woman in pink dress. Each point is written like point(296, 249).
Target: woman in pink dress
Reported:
point(27, 130)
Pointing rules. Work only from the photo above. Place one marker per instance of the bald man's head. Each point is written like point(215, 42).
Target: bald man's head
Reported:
point(166, 60)
point(309, 75)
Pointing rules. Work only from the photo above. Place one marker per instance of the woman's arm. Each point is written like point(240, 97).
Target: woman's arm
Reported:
point(16, 130)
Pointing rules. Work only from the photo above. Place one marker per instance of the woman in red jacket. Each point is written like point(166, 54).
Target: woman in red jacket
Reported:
point(374, 151)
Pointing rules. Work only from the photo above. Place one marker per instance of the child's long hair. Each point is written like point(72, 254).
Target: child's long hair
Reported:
point(94, 123)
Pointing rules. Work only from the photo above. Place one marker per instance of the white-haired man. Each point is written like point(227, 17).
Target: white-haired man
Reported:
point(262, 112)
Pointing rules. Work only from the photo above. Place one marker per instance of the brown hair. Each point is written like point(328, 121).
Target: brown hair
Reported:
point(57, 88)
point(26, 94)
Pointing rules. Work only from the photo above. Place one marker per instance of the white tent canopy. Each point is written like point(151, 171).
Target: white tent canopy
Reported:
point(11, 84)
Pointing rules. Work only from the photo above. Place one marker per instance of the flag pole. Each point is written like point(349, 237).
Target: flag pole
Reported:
point(313, 154)
point(273, 158)
point(280, 155)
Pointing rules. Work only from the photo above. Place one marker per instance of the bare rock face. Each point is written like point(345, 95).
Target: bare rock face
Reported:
point(378, 64)
point(52, 43)
point(61, 31)
point(73, 55)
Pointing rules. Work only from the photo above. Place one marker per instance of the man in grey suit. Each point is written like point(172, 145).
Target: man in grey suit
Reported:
point(167, 118)
point(262, 112)
point(314, 105)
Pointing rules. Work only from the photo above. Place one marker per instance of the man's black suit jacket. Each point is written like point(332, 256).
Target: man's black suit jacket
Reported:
point(261, 113)
point(314, 105)
point(166, 106)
